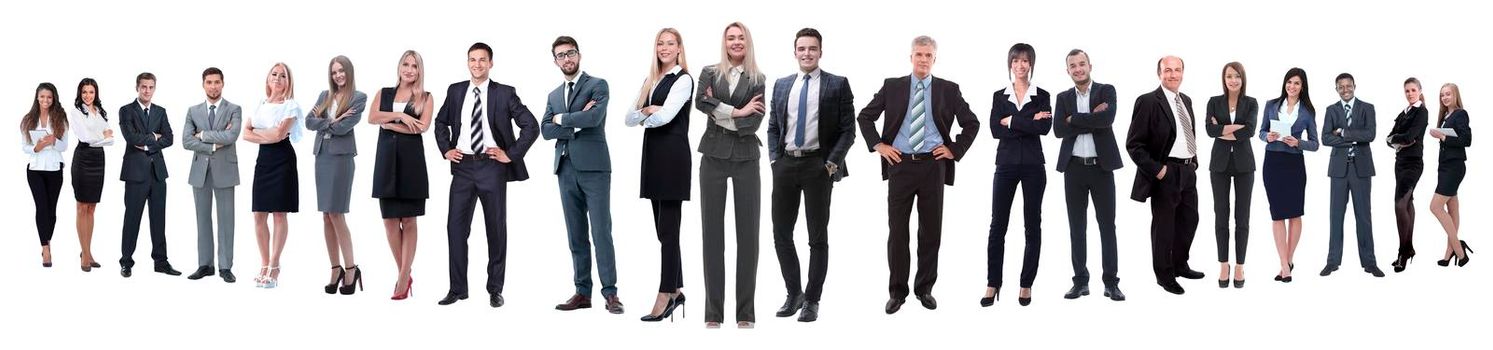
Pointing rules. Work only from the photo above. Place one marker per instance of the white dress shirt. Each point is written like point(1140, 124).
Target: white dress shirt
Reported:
point(88, 128)
point(679, 94)
point(811, 120)
point(464, 141)
point(722, 113)
point(1179, 146)
point(1083, 144)
point(568, 88)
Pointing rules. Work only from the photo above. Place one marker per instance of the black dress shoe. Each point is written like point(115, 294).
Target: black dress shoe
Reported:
point(1374, 270)
point(227, 276)
point(893, 305)
point(1113, 293)
point(614, 305)
point(928, 301)
point(1328, 270)
point(810, 312)
point(791, 305)
point(1171, 287)
point(452, 298)
point(125, 271)
point(202, 271)
point(1189, 273)
point(1239, 283)
point(166, 269)
point(1078, 290)
point(496, 300)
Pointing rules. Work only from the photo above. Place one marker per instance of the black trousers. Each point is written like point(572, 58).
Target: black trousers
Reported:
point(1243, 186)
point(795, 177)
point(1407, 175)
point(1080, 183)
point(46, 186)
point(666, 217)
point(1174, 220)
point(912, 182)
point(1033, 181)
point(478, 179)
point(136, 196)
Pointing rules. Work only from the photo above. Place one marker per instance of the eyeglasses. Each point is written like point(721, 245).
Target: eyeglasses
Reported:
point(567, 54)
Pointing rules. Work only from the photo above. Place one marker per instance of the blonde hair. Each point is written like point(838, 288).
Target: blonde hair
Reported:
point(1456, 102)
point(289, 82)
point(417, 89)
point(656, 69)
point(345, 101)
point(748, 62)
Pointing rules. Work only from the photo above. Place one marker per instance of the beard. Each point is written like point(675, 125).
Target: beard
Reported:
point(570, 71)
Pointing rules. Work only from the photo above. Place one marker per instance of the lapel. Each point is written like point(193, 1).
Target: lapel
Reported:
point(492, 107)
point(1171, 115)
point(824, 97)
point(575, 92)
point(146, 123)
point(899, 94)
point(742, 85)
point(934, 87)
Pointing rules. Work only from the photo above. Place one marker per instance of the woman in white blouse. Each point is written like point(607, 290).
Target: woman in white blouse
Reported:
point(663, 109)
point(44, 138)
point(90, 125)
point(275, 125)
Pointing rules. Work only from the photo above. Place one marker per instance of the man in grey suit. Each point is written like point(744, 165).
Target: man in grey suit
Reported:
point(210, 131)
point(1348, 129)
point(575, 117)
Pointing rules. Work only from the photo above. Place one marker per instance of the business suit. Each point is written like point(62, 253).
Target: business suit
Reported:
point(1018, 162)
point(144, 174)
point(1284, 166)
point(801, 173)
point(917, 177)
point(1089, 176)
point(1232, 164)
point(1351, 168)
point(584, 166)
point(730, 150)
point(1453, 157)
point(214, 175)
point(336, 145)
point(1407, 137)
point(478, 177)
point(1174, 198)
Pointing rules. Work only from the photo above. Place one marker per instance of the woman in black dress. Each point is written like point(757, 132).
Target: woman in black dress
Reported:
point(1444, 205)
point(1405, 138)
point(663, 109)
point(399, 178)
point(89, 122)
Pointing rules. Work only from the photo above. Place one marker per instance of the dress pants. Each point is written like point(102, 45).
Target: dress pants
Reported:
point(666, 217)
point(1174, 219)
point(478, 179)
point(204, 197)
point(746, 179)
point(806, 177)
point(586, 199)
point(1033, 181)
point(1080, 183)
point(920, 182)
point(1243, 188)
point(136, 196)
point(1358, 188)
point(46, 187)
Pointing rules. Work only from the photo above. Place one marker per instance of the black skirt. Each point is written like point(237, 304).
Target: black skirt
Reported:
point(1285, 184)
point(276, 183)
point(1449, 177)
point(88, 173)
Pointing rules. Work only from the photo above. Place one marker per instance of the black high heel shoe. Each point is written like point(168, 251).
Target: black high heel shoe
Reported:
point(1465, 250)
point(1024, 301)
point(356, 281)
point(331, 288)
point(987, 302)
point(668, 312)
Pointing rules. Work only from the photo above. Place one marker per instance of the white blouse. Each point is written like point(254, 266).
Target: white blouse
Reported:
point(88, 128)
point(679, 94)
point(49, 158)
point(269, 115)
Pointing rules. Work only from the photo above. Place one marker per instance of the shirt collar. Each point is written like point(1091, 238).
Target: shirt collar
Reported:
point(218, 104)
point(143, 105)
point(927, 81)
point(815, 74)
point(676, 70)
point(1086, 91)
point(577, 77)
point(1171, 97)
point(1031, 91)
point(1350, 102)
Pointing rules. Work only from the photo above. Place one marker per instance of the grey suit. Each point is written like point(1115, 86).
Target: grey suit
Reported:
point(730, 153)
point(214, 175)
point(335, 148)
point(1351, 167)
point(584, 167)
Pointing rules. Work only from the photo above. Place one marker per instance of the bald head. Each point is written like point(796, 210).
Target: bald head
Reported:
point(1169, 69)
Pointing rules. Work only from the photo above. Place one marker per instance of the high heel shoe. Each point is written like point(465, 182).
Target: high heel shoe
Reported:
point(357, 280)
point(1465, 250)
point(264, 273)
point(271, 281)
point(409, 290)
point(46, 258)
point(987, 302)
point(331, 288)
point(668, 312)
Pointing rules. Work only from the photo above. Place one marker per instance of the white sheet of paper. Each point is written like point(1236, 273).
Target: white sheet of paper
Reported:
point(1449, 132)
point(37, 135)
point(1280, 127)
point(104, 142)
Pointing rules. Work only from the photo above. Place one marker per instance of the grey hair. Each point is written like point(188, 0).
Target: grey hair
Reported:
point(924, 40)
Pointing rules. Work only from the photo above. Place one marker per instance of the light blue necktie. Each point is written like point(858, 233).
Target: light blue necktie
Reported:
point(803, 112)
point(919, 124)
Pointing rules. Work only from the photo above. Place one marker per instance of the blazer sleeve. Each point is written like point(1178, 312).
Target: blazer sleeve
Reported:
point(969, 123)
point(750, 124)
point(230, 135)
point(868, 116)
point(133, 135)
point(1101, 120)
point(593, 117)
point(845, 106)
point(343, 126)
point(1365, 130)
point(443, 124)
point(1461, 124)
point(1215, 122)
point(1248, 117)
point(1312, 133)
point(189, 138)
point(776, 109)
point(1329, 125)
point(165, 130)
point(528, 127)
point(706, 104)
point(551, 130)
point(1139, 138)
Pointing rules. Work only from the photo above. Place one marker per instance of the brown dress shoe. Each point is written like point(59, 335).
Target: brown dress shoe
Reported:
point(614, 305)
point(576, 302)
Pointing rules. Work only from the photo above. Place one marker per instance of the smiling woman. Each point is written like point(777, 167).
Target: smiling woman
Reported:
point(336, 114)
point(276, 183)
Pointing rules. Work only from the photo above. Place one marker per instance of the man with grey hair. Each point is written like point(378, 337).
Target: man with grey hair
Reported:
point(918, 153)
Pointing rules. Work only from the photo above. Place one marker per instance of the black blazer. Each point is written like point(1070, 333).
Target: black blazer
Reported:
point(1238, 152)
point(1453, 148)
point(836, 119)
point(1020, 143)
point(1150, 139)
point(1410, 127)
point(1100, 125)
point(949, 107)
point(138, 127)
point(504, 110)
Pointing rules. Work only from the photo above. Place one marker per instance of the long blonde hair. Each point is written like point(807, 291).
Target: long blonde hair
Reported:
point(1445, 109)
point(289, 81)
point(344, 102)
point(748, 63)
point(417, 89)
point(656, 69)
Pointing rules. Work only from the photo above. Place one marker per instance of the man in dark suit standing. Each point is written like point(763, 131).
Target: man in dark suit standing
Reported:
point(810, 129)
point(147, 131)
point(918, 155)
point(1084, 119)
point(1348, 129)
point(484, 157)
point(575, 117)
point(1163, 146)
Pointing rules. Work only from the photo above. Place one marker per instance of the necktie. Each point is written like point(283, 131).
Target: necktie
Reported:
point(212, 116)
point(477, 145)
point(919, 108)
point(569, 91)
point(1181, 110)
point(803, 112)
point(1348, 112)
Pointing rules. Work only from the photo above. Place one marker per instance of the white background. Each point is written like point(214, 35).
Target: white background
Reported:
point(1380, 43)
